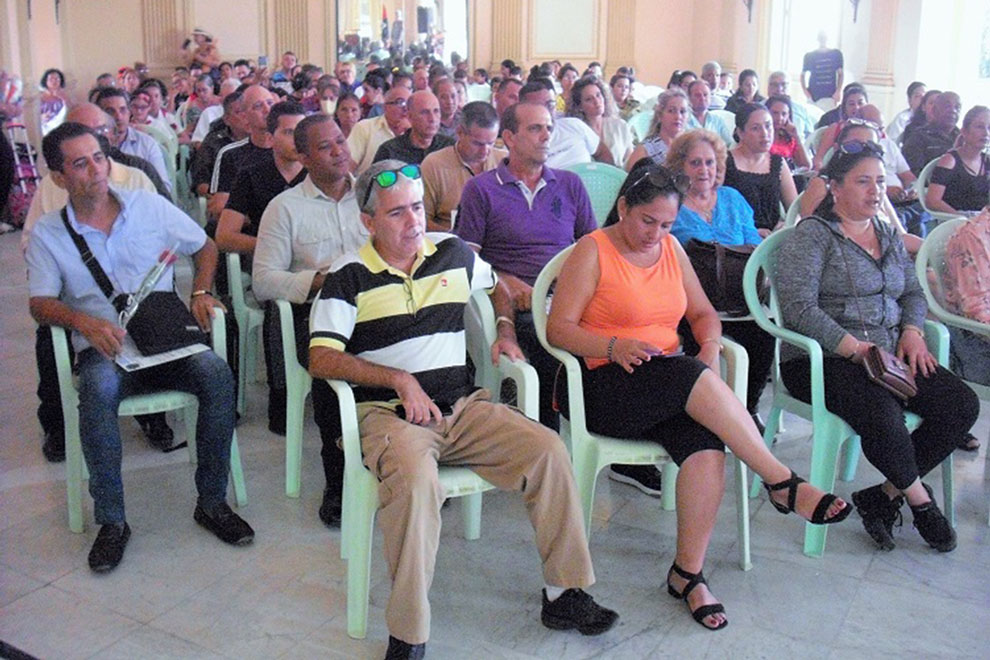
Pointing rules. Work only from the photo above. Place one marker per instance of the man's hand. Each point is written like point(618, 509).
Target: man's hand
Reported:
point(420, 408)
point(509, 348)
point(520, 292)
point(317, 283)
point(201, 307)
point(104, 336)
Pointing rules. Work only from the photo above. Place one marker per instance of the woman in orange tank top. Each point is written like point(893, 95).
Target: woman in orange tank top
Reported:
point(618, 301)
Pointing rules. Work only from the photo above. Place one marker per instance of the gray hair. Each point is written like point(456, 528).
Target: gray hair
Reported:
point(366, 187)
point(711, 66)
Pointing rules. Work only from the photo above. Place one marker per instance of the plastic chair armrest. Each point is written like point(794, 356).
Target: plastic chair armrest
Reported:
point(735, 363)
point(348, 424)
point(527, 385)
point(937, 340)
point(218, 333)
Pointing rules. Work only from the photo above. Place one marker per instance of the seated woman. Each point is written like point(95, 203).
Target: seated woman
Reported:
point(670, 116)
point(762, 178)
point(961, 180)
point(348, 112)
point(817, 190)
point(853, 96)
point(713, 212)
point(846, 281)
point(621, 86)
point(923, 114)
point(853, 99)
point(52, 105)
point(588, 102)
point(618, 302)
point(966, 285)
point(747, 92)
point(566, 76)
point(786, 137)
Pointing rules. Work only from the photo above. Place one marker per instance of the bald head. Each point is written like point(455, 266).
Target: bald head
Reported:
point(424, 115)
point(871, 113)
point(91, 116)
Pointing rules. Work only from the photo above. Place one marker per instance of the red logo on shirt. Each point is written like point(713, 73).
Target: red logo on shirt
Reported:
point(443, 281)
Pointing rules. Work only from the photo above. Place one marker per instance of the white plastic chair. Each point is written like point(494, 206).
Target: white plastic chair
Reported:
point(249, 324)
point(921, 188)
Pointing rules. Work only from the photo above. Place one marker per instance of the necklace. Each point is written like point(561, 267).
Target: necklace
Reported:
point(706, 207)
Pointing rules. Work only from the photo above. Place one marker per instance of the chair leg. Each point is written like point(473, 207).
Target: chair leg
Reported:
point(850, 458)
point(826, 443)
point(948, 490)
point(74, 475)
point(586, 468)
point(189, 416)
point(471, 510)
point(360, 533)
point(773, 427)
point(242, 338)
point(295, 403)
point(237, 472)
point(668, 494)
point(346, 516)
point(742, 514)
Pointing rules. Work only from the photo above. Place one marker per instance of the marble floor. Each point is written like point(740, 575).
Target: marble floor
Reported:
point(181, 593)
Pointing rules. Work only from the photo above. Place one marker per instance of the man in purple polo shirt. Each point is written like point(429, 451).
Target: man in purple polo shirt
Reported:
point(519, 216)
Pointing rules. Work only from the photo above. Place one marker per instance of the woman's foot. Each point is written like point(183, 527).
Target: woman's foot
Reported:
point(692, 588)
point(880, 514)
point(815, 506)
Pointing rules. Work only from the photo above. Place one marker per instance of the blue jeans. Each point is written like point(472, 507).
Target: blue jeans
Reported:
point(969, 356)
point(102, 385)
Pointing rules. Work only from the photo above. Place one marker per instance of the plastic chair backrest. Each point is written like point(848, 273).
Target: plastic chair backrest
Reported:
point(793, 212)
point(602, 183)
point(236, 282)
point(646, 93)
point(728, 118)
point(479, 93)
point(816, 138)
point(640, 124)
point(814, 112)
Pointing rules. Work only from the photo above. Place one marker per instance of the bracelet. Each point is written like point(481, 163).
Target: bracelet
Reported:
point(611, 345)
point(201, 292)
point(713, 339)
point(913, 328)
point(505, 319)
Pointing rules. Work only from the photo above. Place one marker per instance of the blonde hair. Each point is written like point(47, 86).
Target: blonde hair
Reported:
point(686, 141)
point(665, 97)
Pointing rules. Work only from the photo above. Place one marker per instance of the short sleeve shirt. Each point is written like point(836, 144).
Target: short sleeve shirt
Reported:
point(732, 222)
point(255, 186)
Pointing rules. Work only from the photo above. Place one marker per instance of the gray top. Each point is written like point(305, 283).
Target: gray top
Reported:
point(816, 298)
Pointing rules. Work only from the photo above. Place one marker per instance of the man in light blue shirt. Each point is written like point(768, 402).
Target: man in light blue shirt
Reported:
point(126, 231)
point(128, 139)
point(778, 85)
point(699, 96)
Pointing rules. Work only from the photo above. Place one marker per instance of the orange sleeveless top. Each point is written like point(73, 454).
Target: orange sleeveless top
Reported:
point(636, 303)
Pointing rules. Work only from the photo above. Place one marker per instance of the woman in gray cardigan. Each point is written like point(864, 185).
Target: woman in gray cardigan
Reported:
point(845, 280)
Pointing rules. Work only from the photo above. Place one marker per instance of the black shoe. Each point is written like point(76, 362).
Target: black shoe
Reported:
point(760, 426)
point(157, 431)
point(225, 524)
point(644, 477)
point(693, 580)
point(330, 509)
point(399, 650)
point(54, 448)
point(880, 514)
point(933, 526)
point(577, 609)
point(968, 442)
point(818, 515)
point(108, 548)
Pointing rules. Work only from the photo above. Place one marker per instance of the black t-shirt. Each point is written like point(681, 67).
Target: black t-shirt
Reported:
point(257, 185)
point(402, 148)
point(822, 65)
point(232, 160)
point(201, 170)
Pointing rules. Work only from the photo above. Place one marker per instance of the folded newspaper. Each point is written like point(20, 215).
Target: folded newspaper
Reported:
point(131, 359)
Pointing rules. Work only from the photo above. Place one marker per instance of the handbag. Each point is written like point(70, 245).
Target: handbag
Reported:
point(720, 271)
point(161, 323)
point(882, 367)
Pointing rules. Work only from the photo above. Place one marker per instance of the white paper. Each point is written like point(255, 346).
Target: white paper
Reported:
point(130, 358)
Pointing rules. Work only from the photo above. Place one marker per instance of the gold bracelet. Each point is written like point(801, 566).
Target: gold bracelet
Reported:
point(201, 292)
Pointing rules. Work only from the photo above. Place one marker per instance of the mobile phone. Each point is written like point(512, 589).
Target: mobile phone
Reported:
point(262, 60)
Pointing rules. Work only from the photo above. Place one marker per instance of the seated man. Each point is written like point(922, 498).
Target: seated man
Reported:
point(423, 137)
point(369, 134)
point(571, 141)
point(302, 231)
point(229, 128)
point(128, 139)
point(446, 92)
point(446, 171)
point(519, 216)
point(778, 84)
point(126, 232)
point(699, 95)
point(936, 137)
point(417, 407)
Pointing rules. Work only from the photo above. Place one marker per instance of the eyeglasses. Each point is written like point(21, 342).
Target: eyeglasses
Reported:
point(660, 177)
point(388, 178)
point(857, 121)
point(859, 146)
point(397, 102)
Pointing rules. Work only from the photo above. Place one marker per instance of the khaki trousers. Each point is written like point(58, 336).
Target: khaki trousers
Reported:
point(501, 445)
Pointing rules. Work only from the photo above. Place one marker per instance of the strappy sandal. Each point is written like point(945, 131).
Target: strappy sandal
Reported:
point(818, 517)
point(694, 579)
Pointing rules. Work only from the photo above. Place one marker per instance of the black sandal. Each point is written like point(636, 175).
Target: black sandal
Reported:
point(968, 442)
point(818, 517)
point(694, 579)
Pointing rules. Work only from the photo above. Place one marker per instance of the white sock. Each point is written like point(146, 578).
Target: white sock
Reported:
point(553, 593)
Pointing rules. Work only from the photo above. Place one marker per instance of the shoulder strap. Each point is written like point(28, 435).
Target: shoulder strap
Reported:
point(88, 259)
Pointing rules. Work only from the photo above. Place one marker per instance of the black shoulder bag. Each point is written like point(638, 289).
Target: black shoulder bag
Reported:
point(161, 323)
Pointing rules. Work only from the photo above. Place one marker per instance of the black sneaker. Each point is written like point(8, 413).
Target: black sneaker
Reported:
point(399, 650)
point(577, 609)
point(157, 431)
point(933, 526)
point(108, 548)
point(331, 507)
point(880, 514)
point(54, 448)
point(225, 524)
point(644, 477)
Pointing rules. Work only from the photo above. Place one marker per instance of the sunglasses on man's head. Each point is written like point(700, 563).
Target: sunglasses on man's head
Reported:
point(660, 177)
point(388, 178)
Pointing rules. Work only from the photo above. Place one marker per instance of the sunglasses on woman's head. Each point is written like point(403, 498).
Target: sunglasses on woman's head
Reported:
point(859, 146)
point(660, 177)
point(388, 178)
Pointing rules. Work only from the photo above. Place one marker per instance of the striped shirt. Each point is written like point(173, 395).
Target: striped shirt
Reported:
point(413, 322)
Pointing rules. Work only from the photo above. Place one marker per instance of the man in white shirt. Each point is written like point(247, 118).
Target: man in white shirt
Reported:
point(572, 141)
point(303, 230)
point(699, 96)
point(369, 134)
point(710, 73)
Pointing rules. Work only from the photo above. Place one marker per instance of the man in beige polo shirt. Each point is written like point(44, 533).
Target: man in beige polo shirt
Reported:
point(369, 134)
point(446, 171)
